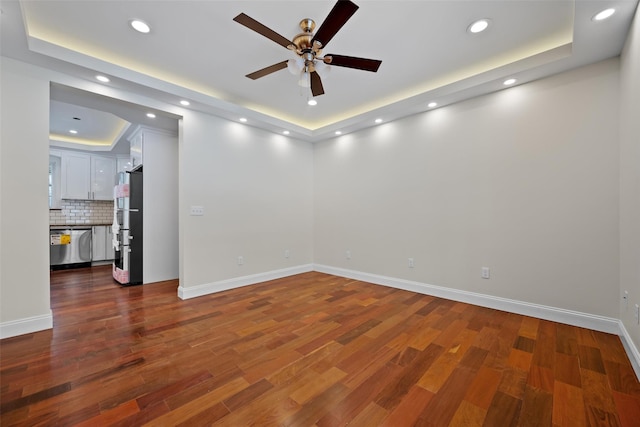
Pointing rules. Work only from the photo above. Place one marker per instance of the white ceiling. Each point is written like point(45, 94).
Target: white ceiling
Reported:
point(102, 123)
point(196, 51)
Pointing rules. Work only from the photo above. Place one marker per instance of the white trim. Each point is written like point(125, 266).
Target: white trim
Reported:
point(237, 282)
point(158, 131)
point(555, 314)
point(629, 346)
point(26, 325)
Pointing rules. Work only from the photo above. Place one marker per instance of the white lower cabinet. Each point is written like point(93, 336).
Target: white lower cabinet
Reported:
point(110, 251)
point(102, 248)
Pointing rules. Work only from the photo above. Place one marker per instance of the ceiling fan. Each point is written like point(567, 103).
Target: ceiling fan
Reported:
point(308, 47)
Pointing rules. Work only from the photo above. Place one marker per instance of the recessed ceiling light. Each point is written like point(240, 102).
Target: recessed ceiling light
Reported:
point(151, 115)
point(378, 120)
point(479, 26)
point(604, 14)
point(185, 102)
point(338, 132)
point(432, 104)
point(312, 102)
point(286, 132)
point(509, 82)
point(103, 79)
point(140, 26)
point(243, 119)
point(73, 131)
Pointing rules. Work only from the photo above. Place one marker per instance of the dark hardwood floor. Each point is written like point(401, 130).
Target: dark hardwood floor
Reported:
point(309, 350)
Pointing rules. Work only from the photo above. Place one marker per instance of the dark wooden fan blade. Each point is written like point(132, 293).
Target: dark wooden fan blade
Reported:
point(259, 28)
point(316, 84)
point(353, 62)
point(339, 15)
point(268, 70)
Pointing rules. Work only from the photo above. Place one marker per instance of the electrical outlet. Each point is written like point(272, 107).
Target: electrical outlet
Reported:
point(411, 263)
point(486, 273)
point(637, 314)
point(287, 254)
point(240, 260)
point(348, 254)
point(196, 211)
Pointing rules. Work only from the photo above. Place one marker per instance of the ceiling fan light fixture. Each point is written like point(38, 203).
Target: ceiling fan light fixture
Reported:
point(140, 26)
point(295, 66)
point(322, 68)
point(304, 79)
point(478, 26)
point(601, 16)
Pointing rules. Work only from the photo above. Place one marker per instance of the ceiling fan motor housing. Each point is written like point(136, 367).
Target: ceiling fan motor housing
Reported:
point(304, 45)
point(303, 42)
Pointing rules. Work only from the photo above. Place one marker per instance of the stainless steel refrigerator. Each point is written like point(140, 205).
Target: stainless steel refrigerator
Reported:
point(127, 228)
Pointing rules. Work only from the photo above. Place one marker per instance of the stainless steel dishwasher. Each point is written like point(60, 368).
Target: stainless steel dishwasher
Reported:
point(70, 247)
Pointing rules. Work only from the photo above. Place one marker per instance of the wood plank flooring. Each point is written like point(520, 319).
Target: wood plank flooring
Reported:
point(308, 350)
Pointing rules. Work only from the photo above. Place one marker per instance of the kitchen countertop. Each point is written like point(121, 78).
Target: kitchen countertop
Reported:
point(75, 226)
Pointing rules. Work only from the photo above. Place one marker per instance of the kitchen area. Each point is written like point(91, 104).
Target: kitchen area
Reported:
point(101, 211)
point(81, 226)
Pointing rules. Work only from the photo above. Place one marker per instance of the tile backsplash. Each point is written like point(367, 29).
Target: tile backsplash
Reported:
point(82, 212)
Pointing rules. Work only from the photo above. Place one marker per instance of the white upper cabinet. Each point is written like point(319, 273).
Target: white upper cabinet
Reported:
point(123, 164)
point(76, 176)
point(87, 177)
point(103, 175)
point(136, 147)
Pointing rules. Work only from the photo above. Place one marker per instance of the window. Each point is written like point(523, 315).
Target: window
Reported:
point(55, 167)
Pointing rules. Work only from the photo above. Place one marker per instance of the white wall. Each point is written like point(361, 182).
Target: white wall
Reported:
point(630, 179)
point(524, 181)
point(256, 189)
point(160, 206)
point(24, 213)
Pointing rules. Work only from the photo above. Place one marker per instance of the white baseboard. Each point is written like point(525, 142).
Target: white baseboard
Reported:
point(555, 314)
point(631, 349)
point(575, 318)
point(27, 325)
point(237, 282)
